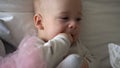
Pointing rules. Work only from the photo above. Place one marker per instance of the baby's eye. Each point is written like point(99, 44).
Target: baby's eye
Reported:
point(64, 18)
point(78, 19)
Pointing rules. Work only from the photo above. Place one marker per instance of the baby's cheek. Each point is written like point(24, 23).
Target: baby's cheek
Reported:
point(52, 34)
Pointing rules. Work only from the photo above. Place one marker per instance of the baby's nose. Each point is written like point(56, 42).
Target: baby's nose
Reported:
point(72, 25)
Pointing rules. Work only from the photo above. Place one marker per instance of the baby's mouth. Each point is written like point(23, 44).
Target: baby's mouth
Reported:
point(73, 36)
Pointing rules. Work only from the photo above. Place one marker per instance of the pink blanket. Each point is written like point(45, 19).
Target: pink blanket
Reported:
point(26, 56)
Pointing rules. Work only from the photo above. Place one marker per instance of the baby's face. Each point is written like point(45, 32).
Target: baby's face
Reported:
point(63, 16)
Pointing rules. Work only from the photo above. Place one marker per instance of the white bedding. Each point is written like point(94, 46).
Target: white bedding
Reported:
point(22, 21)
point(21, 24)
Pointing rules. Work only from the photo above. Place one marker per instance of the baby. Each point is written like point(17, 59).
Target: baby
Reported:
point(57, 19)
point(58, 26)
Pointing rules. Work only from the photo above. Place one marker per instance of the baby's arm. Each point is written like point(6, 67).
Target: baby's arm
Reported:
point(56, 49)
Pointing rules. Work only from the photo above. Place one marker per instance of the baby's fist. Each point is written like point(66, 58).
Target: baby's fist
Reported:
point(68, 36)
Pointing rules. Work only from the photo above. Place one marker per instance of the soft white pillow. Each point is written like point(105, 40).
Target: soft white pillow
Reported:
point(114, 51)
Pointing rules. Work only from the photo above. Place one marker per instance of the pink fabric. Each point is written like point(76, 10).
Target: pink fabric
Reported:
point(28, 55)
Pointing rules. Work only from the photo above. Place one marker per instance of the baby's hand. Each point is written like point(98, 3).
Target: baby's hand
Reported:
point(68, 36)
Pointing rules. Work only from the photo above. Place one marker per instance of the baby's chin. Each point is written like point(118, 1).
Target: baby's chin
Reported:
point(74, 40)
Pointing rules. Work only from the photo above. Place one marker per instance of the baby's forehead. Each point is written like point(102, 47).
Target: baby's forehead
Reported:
point(45, 2)
point(48, 5)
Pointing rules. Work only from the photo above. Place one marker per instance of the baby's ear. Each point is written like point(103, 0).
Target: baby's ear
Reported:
point(38, 21)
